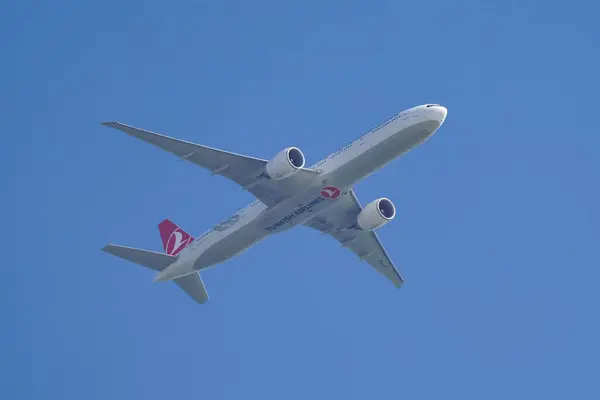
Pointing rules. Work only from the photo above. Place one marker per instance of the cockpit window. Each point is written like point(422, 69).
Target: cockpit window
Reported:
point(431, 105)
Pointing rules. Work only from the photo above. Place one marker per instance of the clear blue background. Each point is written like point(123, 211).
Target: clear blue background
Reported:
point(497, 232)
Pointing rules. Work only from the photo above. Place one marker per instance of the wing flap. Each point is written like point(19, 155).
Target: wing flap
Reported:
point(236, 167)
point(368, 247)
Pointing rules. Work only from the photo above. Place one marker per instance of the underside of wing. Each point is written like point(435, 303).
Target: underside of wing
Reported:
point(246, 171)
point(339, 221)
point(191, 284)
point(194, 287)
point(147, 258)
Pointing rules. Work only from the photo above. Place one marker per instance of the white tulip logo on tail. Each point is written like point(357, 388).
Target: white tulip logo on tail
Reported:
point(177, 242)
point(173, 237)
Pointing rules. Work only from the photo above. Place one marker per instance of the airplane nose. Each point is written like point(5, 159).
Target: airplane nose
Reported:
point(435, 112)
point(439, 113)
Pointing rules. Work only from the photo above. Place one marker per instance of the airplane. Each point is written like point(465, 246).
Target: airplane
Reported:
point(288, 194)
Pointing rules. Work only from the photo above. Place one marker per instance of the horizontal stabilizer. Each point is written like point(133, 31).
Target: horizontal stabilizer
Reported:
point(147, 258)
point(194, 287)
point(191, 284)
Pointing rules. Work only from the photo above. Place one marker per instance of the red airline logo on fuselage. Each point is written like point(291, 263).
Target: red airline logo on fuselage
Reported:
point(330, 192)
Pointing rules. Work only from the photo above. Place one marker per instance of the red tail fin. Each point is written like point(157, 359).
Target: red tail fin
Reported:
point(174, 239)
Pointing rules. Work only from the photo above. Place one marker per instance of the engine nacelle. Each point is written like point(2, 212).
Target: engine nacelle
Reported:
point(285, 163)
point(376, 214)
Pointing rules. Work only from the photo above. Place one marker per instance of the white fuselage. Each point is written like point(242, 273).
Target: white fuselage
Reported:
point(342, 170)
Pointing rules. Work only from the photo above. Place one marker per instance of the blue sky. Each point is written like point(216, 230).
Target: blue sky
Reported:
point(497, 226)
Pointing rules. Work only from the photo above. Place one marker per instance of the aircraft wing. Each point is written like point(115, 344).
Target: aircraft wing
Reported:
point(243, 170)
point(338, 220)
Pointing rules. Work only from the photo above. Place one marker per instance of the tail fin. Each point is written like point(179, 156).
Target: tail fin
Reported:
point(174, 239)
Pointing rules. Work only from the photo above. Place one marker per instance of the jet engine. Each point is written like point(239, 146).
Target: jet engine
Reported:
point(285, 163)
point(376, 214)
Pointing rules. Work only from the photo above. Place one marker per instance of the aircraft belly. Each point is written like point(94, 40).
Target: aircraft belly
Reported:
point(230, 246)
point(297, 210)
point(379, 154)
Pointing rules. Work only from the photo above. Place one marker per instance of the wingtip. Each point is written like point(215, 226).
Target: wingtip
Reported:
point(201, 301)
point(107, 247)
point(400, 282)
point(109, 123)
